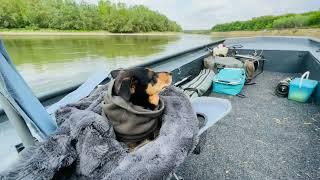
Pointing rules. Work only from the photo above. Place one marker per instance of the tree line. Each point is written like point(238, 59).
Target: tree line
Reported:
point(75, 15)
point(309, 19)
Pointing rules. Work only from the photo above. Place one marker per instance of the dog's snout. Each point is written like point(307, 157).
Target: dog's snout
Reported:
point(164, 78)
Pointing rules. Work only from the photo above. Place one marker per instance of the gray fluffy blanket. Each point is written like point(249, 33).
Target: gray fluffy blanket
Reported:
point(85, 146)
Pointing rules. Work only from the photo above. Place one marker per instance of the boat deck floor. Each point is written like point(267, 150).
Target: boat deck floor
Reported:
point(264, 137)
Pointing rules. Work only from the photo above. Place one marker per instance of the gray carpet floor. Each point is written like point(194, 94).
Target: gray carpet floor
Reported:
point(264, 137)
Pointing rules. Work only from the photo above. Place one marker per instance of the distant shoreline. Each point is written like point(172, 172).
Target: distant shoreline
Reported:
point(312, 32)
point(17, 32)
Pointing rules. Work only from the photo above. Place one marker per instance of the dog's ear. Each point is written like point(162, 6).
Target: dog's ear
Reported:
point(115, 73)
point(126, 88)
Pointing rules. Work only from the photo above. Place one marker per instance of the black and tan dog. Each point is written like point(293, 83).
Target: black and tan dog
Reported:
point(133, 104)
point(141, 86)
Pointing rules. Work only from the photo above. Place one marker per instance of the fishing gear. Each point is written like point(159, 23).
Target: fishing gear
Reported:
point(282, 88)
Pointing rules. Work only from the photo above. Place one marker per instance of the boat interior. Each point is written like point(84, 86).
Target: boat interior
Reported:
point(264, 136)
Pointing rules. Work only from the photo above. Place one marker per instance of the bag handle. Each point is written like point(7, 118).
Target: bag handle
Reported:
point(306, 76)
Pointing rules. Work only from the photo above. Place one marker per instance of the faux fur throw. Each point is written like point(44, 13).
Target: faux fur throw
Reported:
point(85, 146)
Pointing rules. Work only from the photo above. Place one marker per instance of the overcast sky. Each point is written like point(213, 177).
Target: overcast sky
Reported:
point(203, 14)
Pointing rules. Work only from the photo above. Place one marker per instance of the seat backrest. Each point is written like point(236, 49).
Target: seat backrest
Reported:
point(19, 94)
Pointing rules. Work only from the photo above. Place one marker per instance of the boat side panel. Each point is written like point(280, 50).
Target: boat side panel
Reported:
point(313, 65)
point(281, 60)
point(191, 69)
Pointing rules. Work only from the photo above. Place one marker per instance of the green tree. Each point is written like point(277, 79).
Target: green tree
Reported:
point(269, 22)
point(80, 15)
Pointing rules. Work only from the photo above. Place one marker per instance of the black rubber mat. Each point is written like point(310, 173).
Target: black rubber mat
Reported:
point(264, 137)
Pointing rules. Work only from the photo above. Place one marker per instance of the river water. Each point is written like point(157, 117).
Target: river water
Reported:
point(50, 63)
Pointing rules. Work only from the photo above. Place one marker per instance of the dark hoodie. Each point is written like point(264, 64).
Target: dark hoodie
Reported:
point(131, 123)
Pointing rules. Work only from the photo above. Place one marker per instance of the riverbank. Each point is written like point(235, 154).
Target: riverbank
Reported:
point(18, 32)
point(312, 32)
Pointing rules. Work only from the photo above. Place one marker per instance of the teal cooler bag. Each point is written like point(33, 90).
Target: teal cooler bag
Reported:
point(229, 81)
point(300, 89)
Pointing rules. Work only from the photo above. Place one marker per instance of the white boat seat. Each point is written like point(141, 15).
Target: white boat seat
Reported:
point(211, 108)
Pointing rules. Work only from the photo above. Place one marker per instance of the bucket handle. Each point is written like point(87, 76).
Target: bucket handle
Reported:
point(306, 76)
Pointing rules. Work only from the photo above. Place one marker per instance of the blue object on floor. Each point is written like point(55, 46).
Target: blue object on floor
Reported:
point(301, 89)
point(229, 81)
